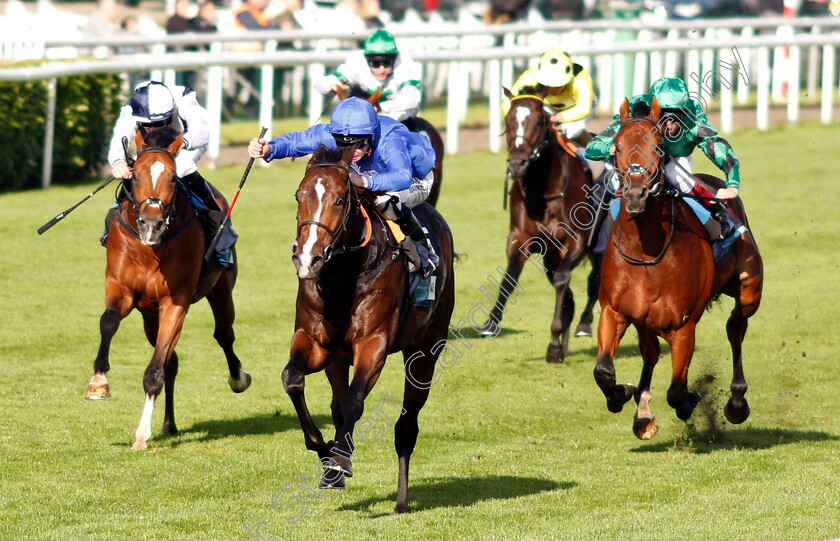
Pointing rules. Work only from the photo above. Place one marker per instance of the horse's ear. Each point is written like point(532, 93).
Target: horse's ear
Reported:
point(543, 92)
point(374, 100)
point(507, 93)
point(339, 91)
point(624, 111)
point(315, 156)
point(347, 156)
point(176, 145)
point(140, 138)
point(655, 110)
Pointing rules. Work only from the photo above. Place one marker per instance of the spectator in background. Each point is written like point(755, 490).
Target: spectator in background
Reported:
point(203, 22)
point(102, 23)
point(506, 11)
point(179, 23)
point(131, 28)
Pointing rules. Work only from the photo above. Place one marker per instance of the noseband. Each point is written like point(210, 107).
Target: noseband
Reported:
point(352, 197)
point(639, 169)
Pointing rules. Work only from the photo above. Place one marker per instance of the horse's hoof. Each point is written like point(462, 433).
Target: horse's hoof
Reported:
point(621, 394)
point(491, 328)
point(645, 429)
point(554, 354)
point(170, 429)
point(736, 414)
point(139, 445)
point(332, 479)
point(583, 330)
point(401, 507)
point(687, 407)
point(239, 385)
point(98, 388)
point(341, 464)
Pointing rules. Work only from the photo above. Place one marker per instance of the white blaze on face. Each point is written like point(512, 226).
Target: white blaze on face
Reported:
point(156, 170)
point(306, 252)
point(522, 114)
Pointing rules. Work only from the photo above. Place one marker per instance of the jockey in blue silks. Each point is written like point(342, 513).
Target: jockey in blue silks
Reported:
point(386, 158)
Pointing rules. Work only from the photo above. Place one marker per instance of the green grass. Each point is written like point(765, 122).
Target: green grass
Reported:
point(509, 447)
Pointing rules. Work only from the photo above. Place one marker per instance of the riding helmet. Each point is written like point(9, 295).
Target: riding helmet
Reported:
point(670, 92)
point(152, 103)
point(380, 43)
point(353, 119)
point(555, 69)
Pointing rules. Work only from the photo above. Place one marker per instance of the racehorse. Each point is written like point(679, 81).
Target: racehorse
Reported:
point(155, 254)
point(352, 310)
point(415, 124)
point(549, 214)
point(659, 275)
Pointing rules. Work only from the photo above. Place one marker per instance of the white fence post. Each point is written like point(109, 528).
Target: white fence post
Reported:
point(762, 107)
point(827, 97)
point(214, 107)
point(49, 134)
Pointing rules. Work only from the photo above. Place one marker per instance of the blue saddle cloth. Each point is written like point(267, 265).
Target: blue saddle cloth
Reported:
point(423, 291)
point(224, 248)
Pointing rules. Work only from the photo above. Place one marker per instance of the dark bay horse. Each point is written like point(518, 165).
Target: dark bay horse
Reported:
point(155, 254)
point(658, 274)
point(550, 214)
point(351, 310)
point(415, 124)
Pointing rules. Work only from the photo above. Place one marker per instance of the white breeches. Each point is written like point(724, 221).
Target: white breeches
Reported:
point(186, 160)
point(677, 177)
point(410, 197)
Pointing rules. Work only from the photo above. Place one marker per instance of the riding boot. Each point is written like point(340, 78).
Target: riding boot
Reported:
point(730, 229)
point(114, 211)
point(412, 228)
point(198, 186)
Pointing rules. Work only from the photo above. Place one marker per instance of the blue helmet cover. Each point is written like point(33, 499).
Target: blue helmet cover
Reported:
point(353, 116)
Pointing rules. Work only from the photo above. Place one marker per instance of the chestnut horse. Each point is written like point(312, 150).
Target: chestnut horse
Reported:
point(352, 310)
point(155, 254)
point(415, 124)
point(550, 214)
point(659, 275)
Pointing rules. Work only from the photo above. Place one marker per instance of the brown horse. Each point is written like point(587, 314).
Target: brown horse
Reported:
point(659, 275)
point(352, 310)
point(550, 214)
point(415, 124)
point(155, 255)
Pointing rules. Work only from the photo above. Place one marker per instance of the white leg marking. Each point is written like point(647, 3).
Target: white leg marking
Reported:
point(306, 253)
point(144, 430)
point(522, 114)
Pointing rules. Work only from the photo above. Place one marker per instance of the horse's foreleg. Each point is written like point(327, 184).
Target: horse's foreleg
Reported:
point(160, 370)
point(564, 308)
point(221, 303)
point(593, 285)
point(516, 260)
point(339, 378)
point(305, 357)
point(368, 359)
point(151, 327)
point(610, 330)
point(117, 307)
point(682, 349)
point(645, 424)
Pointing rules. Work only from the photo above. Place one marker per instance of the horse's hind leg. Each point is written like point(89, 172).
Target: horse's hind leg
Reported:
point(682, 350)
point(737, 409)
point(419, 378)
point(593, 284)
point(221, 302)
point(645, 424)
point(117, 307)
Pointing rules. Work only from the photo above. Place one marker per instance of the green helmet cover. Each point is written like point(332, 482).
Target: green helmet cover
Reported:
point(670, 92)
point(380, 43)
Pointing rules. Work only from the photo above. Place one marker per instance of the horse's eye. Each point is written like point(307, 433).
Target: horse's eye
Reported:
point(339, 201)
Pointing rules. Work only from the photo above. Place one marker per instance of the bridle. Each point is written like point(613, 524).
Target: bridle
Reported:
point(536, 148)
point(168, 211)
point(353, 200)
point(638, 170)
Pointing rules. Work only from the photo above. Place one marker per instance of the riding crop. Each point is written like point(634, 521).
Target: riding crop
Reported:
point(209, 253)
point(62, 215)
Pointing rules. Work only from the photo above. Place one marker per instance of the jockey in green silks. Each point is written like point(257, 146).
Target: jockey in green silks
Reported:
point(684, 126)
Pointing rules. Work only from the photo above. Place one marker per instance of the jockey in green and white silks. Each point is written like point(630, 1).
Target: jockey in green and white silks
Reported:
point(380, 64)
point(684, 126)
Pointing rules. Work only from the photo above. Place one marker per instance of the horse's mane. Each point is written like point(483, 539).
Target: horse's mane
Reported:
point(530, 89)
point(640, 110)
point(327, 155)
point(161, 137)
point(356, 91)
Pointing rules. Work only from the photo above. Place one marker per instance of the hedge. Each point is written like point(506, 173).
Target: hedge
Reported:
point(86, 108)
